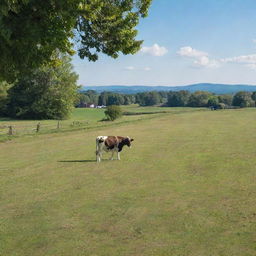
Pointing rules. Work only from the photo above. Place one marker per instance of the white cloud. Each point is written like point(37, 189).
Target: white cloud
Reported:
point(246, 59)
point(204, 61)
point(201, 58)
point(254, 40)
point(188, 51)
point(154, 50)
point(130, 68)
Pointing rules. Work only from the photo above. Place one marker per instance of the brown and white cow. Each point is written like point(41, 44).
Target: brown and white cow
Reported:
point(111, 144)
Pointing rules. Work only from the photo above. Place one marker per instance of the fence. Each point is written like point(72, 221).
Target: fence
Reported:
point(40, 127)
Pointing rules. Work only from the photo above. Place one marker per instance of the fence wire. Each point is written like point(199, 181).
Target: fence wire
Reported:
point(16, 129)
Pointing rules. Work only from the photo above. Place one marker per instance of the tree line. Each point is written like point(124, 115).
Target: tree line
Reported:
point(51, 93)
point(170, 99)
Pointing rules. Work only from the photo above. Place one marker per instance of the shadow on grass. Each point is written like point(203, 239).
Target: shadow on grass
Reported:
point(77, 161)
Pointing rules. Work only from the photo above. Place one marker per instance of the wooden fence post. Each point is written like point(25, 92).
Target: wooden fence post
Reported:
point(38, 127)
point(58, 125)
point(10, 132)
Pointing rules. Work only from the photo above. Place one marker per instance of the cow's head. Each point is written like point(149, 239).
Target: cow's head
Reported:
point(127, 141)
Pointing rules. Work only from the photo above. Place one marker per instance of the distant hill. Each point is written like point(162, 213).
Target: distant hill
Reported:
point(214, 88)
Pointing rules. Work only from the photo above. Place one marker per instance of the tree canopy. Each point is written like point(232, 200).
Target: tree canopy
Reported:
point(46, 93)
point(32, 30)
point(178, 99)
point(199, 99)
point(243, 99)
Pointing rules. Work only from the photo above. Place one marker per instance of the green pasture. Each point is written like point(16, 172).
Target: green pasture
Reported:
point(135, 108)
point(81, 118)
point(79, 114)
point(186, 187)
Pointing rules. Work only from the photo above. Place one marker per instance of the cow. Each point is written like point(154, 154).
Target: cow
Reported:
point(111, 144)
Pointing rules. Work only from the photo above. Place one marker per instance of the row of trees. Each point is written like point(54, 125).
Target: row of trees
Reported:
point(105, 98)
point(51, 93)
point(170, 99)
point(110, 98)
point(206, 99)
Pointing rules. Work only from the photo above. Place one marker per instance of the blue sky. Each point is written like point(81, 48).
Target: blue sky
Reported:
point(185, 42)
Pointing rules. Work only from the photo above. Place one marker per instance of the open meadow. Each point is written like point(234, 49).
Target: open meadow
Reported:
point(81, 118)
point(186, 187)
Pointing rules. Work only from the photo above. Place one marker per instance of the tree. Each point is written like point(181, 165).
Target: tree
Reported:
point(254, 97)
point(199, 99)
point(148, 98)
point(127, 100)
point(82, 99)
point(46, 93)
point(178, 99)
point(3, 97)
point(243, 99)
point(31, 30)
point(115, 99)
point(226, 99)
point(93, 96)
point(213, 101)
point(163, 96)
point(103, 98)
point(140, 98)
point(113, 112)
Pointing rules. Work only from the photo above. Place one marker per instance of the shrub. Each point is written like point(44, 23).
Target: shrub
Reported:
point(113, 112)
point(221, 106)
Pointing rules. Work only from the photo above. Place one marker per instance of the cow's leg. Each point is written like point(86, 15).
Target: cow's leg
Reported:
point(97, 151)
point(98, 156)
point(118, 155)
point(112, 156)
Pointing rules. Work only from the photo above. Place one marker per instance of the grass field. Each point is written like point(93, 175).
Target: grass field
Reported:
point(85, 117)
point(81, 118)
point(186, 187)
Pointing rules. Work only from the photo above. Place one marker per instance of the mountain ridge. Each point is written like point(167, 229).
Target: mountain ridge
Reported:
point(210, 87)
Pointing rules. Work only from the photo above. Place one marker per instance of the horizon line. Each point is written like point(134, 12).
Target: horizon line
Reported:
point(124, 85)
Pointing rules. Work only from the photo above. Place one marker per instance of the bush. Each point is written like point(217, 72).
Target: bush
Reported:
point(221, 106)
point(113, 112)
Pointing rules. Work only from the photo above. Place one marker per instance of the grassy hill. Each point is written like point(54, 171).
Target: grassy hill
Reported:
point(186, 187)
